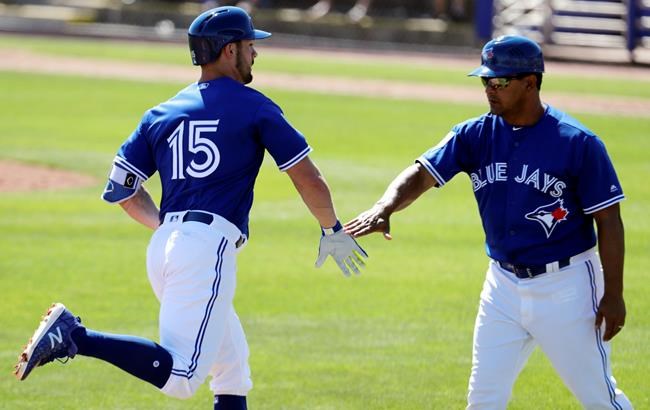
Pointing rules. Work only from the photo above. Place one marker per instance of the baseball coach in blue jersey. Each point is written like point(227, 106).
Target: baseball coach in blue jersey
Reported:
point(207, 143)
point(541, 179)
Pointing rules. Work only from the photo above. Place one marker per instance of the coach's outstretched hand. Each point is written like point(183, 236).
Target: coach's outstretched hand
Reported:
point(375, 219)
point(345, 251)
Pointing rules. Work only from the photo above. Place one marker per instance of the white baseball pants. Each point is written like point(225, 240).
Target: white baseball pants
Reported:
point(191, 268)
point(556, 311)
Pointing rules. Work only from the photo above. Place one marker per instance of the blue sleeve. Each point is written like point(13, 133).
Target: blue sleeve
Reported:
point(135, 154)
point(132, 165)
point(598, 185)
point(286, 144)
point(444, 160)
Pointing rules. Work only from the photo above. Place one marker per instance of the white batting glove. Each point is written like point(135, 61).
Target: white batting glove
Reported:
point(345, 251)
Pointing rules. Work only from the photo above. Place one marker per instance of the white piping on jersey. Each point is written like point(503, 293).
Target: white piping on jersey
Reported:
point(604, 204)
point(296, 159)
point(126, 165)
point(432, 170)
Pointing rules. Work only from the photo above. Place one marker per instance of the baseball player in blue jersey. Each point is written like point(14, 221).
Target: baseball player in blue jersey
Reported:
point(207, 143)
point(541, 180)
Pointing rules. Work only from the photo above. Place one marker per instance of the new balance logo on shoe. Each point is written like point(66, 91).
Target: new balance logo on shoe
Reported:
point(54, 337)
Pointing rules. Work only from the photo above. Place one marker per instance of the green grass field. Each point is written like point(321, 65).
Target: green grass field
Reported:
point(396, 337)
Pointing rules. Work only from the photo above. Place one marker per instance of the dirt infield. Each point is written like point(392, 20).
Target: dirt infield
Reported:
point(16, 177)
point(21, 177)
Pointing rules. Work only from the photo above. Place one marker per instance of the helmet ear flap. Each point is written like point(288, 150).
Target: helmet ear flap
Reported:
point(202, 50)
point(206, 49)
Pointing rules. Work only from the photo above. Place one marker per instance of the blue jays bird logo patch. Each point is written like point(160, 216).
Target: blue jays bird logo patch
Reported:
point(549, 216)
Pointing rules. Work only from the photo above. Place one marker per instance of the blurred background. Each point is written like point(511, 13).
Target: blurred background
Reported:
point(590, 30)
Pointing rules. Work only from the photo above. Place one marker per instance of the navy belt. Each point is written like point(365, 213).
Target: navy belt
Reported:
point(530, 271)
point(195, 216)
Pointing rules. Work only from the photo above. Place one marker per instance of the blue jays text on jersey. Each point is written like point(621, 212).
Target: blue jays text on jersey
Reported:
point(498, 172)
point(207, 143)
point(535, 186)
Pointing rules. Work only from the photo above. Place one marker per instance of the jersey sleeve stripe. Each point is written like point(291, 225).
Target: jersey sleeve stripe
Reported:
point(432, 170)
point(296, 159)
point(604, 204)
point(126, 165)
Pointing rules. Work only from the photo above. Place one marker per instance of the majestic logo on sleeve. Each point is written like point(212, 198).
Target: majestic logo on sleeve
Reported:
point(549, 216)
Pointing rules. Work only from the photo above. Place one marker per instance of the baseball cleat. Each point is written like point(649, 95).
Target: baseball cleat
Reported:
point(50, 341)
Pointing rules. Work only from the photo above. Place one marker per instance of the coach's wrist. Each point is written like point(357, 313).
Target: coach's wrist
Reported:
point(384, 208)
point(331, 230)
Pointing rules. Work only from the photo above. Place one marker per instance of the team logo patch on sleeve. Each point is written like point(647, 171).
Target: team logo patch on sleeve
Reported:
point(129, 180)
point(549, 216)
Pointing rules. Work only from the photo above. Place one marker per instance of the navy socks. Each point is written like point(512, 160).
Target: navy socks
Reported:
point(229, 402)
point(140, 357)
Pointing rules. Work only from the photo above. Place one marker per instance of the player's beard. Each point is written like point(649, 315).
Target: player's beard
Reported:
point(245, 72)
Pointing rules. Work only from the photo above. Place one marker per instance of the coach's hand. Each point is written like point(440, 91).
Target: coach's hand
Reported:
point(375, 219)
point(611, 310)
point(345, 251)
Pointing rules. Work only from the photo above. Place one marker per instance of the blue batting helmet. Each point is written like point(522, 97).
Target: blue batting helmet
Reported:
point(510, 55)
point(215, 28)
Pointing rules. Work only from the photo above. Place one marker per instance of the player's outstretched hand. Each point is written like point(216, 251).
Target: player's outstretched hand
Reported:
point(374, 219)
point(345, 251)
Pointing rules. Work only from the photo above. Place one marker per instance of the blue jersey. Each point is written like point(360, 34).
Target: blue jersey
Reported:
point(536, 187)
point(208, 143)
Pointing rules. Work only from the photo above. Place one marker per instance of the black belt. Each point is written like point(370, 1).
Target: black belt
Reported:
point(205, 218)
point(530, 271)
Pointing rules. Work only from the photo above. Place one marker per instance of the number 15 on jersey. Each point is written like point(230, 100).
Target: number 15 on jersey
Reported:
point(195, 144)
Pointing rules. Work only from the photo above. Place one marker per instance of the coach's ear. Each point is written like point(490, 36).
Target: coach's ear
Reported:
point(531, 82)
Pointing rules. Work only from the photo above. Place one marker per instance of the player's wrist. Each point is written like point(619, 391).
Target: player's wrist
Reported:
point(331, 230)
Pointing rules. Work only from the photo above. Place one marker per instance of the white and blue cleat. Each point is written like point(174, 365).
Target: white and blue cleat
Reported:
point(52, 340)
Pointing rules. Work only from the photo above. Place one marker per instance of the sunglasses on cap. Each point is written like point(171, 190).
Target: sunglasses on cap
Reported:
point(499, 83)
